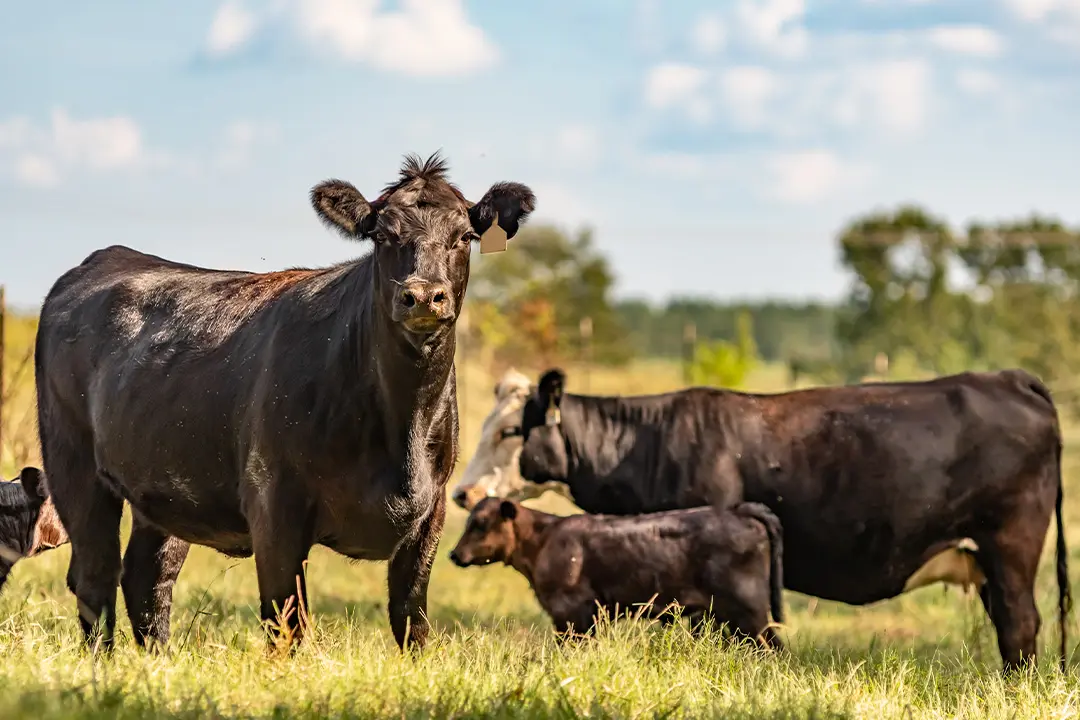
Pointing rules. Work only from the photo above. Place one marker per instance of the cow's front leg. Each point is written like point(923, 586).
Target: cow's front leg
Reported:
point(281, 522)
point(410, 570)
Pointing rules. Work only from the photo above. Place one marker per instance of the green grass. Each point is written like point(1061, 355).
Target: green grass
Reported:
point(929, 654)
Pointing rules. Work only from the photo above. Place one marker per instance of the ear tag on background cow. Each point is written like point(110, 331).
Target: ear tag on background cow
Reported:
point(494, 238)
point(552, 417)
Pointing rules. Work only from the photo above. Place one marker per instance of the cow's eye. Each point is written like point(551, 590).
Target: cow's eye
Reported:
point(510, 432)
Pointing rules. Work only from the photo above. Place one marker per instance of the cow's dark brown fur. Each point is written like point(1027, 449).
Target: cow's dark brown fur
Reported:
point(723, 564)
point(869, 481)
point(264, 413)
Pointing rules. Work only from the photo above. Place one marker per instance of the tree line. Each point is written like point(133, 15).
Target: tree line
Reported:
point(922, 295)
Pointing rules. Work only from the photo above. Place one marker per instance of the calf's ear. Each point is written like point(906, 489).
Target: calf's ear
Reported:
point(510, 202)
point(30, 479)
point(341, 206)
point(508, 510)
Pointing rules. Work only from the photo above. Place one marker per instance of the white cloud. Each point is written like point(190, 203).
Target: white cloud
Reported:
point(36, 171)
point(672, 84)
point(43, 156)
point(709, 34)
point(241, 138)
point(775, 24)
point(893, 94)
point(422, 37)
point(966, 39)
point(1060, 18)
point(232, 27)
point(747, 90)
point(976, 82)
point(809, 176)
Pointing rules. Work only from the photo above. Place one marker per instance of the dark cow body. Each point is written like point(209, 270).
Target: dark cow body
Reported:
point(724, 565)
point(869, 481)
point(28, 522)
point(264, 413)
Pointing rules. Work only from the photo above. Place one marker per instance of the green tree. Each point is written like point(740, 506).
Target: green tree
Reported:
point(544, 284)
point(726, 364)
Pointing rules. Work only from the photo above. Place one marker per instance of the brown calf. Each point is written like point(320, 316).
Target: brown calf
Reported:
point(724, 565)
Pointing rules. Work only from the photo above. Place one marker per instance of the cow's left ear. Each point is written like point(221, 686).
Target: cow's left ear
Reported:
point(31, 480)
point(508, 510)
point(550, 388)
point(510, 201)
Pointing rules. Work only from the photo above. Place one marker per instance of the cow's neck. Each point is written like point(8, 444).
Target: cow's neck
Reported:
point(530, 534)
point(600, 432)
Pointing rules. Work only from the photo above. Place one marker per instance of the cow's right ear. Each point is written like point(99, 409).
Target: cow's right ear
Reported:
point(341, 206)
point(550, 388)
point(31, 480)
point(508, 510)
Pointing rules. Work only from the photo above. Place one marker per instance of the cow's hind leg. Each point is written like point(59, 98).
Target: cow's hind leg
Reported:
point(408, 575)
point(152, 563)
point(1010, 561)
point(90, 513)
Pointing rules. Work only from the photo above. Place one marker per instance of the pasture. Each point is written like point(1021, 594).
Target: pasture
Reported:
point(929, 654)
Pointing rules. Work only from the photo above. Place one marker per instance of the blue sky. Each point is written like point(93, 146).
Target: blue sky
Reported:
point(715, 147)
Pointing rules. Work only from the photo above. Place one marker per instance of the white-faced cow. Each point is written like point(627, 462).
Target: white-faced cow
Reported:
point(28, 522)
point(871, 482)
point(493, 468)
point(264, 413)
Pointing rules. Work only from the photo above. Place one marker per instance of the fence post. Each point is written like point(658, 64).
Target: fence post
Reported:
point(585, 328)
point(3, 312)
point(689, 343)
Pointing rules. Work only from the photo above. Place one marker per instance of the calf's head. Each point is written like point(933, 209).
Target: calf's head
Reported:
point(489, 534)
point(28, 521)
point(544, 456)
point(423, 229)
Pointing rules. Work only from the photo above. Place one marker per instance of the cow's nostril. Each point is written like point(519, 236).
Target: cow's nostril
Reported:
point(439, 298)
point(408, 299)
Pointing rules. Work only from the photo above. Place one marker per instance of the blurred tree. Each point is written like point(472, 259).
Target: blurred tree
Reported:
point(726, 364)
point(544, 284)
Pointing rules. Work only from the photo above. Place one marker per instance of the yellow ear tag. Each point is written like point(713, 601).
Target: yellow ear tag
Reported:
point(552, 417)
point(494, 238)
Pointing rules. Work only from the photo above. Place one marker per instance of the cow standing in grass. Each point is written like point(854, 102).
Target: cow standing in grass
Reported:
point(872, 483)
point(264, 413)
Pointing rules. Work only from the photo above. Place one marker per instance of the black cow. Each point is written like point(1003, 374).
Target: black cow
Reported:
point(28, 522)
point(869, 481)
point(264, 413)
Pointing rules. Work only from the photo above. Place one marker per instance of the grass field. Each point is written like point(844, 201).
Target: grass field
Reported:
point(929, 654)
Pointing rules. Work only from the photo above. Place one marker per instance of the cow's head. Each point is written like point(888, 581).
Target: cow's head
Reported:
point(423, 229)
point(493, 469)
point(489, 534)
point(28, 521)
point(544, 456)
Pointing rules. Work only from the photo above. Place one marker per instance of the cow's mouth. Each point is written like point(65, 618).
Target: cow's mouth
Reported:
point(422, 325)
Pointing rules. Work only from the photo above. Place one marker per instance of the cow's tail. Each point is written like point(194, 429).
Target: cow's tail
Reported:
point(1062, 551)
point(773, 529)
point(1064, 589)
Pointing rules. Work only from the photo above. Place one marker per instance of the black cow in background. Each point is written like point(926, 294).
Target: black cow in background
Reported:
point(869, 481)
point(28, 522)
point(264, 413)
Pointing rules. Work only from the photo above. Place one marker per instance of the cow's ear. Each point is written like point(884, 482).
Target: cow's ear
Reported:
point(31, 480)
point(341, 206)
point(508, 510)
point(511, 202)
point(551, 387)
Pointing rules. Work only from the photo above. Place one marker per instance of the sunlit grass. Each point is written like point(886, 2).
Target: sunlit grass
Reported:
point(929, 654)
